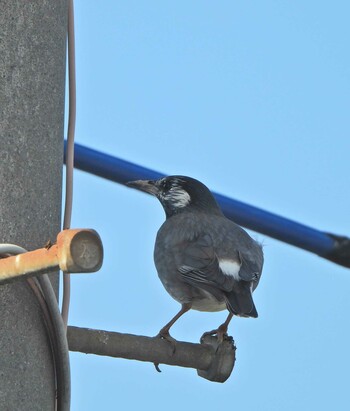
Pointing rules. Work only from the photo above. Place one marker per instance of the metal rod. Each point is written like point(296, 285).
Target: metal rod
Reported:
point(76, 251)
point(213, 361)
point(332, 247)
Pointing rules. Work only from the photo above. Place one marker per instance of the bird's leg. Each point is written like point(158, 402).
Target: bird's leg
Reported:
point(221, 331)
point(164, 332)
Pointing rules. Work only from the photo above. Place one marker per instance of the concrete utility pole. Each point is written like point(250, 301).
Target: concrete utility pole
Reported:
point(32, 87)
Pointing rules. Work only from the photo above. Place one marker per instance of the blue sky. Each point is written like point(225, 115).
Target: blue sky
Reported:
point(252, 98)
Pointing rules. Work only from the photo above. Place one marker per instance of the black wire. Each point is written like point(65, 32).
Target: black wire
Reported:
point(60, 345)
point(44, 292)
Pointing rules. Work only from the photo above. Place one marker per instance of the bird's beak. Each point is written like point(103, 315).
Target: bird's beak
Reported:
point(148, 186)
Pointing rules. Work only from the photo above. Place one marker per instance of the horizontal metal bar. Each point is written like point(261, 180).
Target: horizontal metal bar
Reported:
point(76, 251)
point(212, 360)
point(333, 247)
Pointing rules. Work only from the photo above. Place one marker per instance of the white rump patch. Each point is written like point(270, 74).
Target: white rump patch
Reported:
point(230, 267)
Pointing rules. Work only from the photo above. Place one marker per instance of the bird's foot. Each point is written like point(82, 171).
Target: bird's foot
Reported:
point(165, 335)
point(221, 334)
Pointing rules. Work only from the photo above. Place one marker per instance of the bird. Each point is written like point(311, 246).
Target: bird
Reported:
point(205, 261)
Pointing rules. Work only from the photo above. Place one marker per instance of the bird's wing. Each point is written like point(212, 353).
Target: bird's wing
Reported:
point(199, 266)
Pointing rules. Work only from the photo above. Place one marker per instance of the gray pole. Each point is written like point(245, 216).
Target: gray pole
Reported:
point(32, 79)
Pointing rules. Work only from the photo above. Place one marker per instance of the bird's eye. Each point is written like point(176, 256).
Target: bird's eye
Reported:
point(166, 185)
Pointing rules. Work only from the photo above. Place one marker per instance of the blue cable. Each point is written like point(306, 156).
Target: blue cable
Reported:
point(330, 246)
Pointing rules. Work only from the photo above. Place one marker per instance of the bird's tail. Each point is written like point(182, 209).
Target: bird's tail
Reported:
point(240, 301)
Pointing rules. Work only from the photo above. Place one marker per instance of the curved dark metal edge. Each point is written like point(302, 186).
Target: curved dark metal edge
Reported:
point(340, 253)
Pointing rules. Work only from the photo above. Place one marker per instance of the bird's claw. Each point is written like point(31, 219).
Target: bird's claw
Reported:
point(156, 366)
point(164, 335)
point(220, 334)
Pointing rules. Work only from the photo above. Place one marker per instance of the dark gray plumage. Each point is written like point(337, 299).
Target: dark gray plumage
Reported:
point(205, 261)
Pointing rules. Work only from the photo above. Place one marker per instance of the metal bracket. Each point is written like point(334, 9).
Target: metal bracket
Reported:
point(76, 251)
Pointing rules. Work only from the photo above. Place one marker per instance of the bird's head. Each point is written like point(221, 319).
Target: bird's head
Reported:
point(178, 194)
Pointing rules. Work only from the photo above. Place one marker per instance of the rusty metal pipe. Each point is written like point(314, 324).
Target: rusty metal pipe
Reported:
point(76, 251)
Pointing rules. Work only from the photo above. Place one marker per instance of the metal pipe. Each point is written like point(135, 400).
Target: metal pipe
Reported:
point(330, 246)
point(76, 251)
point(214, 361)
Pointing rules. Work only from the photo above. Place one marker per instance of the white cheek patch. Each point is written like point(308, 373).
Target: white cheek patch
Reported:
point(178, 197)
point(231, 268)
